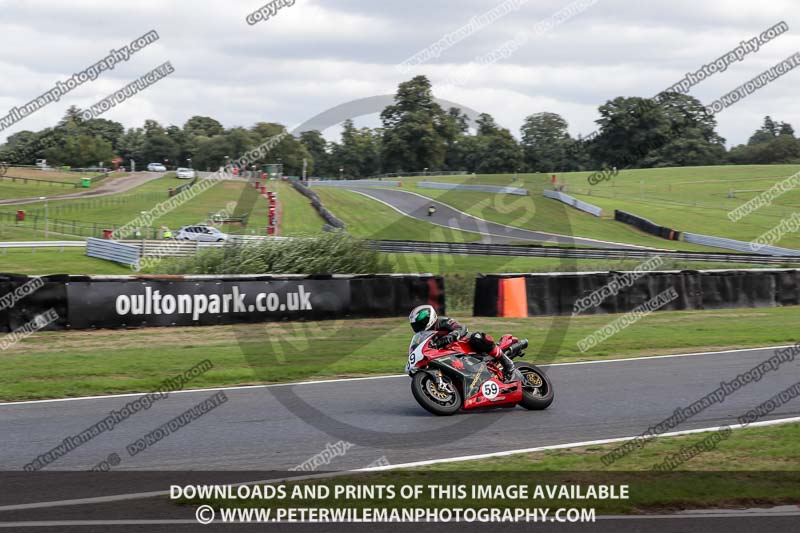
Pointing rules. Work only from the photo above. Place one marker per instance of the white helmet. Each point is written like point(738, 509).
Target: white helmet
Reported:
point(422, 318)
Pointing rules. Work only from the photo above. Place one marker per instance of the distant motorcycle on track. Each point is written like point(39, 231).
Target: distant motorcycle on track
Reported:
point(454, 377)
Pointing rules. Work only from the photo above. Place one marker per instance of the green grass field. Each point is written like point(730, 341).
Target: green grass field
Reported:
point(23, 233)
point(691, 199)
point(81, 363)
point(52, 261)
point(298, 216)
point(688, 199)
point(15, 184)
point(117, 210)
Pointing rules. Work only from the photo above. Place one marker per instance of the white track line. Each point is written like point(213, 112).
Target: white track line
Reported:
point(153, 494)
point(393, 376)
point(518, 228)
point(491, 455)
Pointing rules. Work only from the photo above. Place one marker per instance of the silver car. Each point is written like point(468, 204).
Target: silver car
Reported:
point(156, 167)
point(201, 234)
point(185, 173)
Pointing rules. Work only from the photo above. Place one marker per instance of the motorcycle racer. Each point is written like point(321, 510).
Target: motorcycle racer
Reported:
point(448, 331)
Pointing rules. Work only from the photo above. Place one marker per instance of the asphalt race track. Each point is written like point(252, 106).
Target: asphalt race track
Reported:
point(416, 206)
point(267, 428)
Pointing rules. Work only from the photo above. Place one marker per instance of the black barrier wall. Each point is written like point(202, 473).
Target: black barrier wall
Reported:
point(84, 302)
point(329, 218)
point(647, 226)
point(621, 292)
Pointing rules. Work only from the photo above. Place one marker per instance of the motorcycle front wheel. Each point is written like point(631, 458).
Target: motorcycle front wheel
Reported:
point(537, 389)
point(431, 398)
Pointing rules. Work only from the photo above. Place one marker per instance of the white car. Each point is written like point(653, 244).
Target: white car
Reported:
point(201, 234)
point(185, 173)
point(156, 167)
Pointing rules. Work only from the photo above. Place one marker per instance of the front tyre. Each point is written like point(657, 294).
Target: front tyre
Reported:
point(537, 389)
point(432, 398)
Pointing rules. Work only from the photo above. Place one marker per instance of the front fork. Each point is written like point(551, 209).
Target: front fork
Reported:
point(440, 384)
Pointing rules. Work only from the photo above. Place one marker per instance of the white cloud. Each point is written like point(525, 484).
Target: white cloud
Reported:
point(315, 55)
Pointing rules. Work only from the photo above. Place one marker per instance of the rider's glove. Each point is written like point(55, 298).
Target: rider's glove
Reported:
point(444, 340)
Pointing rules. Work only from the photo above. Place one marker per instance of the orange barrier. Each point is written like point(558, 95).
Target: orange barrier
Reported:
point(512, 298)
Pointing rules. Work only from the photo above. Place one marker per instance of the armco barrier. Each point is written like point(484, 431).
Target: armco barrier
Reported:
point(741, 246)
point(558, 293)
point(329, 218)
point(127, 254)
point(85, 302)
point(350, 183)
point(483, 188)
point(574, 202)
point(647, 226)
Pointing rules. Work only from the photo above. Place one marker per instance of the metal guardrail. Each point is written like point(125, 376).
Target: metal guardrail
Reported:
point(484, 188)
point(570, 253)
point(574, 202)
point(43, 244)
point(350, 183)
point(155, 247)
point(113, 251)
point(739, 246)
point(424, 173)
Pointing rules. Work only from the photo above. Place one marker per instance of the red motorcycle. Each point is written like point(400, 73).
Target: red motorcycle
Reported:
point(453, 377)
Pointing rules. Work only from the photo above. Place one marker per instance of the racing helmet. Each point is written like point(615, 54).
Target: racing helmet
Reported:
point(422, 317)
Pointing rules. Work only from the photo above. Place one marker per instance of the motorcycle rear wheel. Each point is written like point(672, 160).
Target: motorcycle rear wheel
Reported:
point(542, 395)
point(433, 400)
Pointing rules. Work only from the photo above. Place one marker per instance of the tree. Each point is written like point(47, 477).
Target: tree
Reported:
point(456, 130)
point(498, 151)
point(289, 151)
point(157, 146)
point(764, 134)
point(130, 147)
point(359, 153)
point(318, 148)
point(24, 147)
point(414, 134)
point(547, 145)
point(202, 126)
point(108, 130)
point(81, 151)
point(638, 132)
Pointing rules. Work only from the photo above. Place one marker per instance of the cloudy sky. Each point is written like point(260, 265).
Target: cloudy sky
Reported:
point(317, 54)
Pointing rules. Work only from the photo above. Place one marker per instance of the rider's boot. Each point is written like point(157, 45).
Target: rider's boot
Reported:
point(508, 368)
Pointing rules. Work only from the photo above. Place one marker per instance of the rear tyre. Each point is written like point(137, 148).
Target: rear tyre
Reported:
point(537, 389)
point(433, 400)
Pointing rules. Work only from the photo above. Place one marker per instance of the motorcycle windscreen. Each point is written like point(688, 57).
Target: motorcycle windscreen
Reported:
point(418, 339)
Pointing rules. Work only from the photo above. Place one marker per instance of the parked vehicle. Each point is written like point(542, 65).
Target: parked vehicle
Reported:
point(201, 234)
point(454, 377)
point(185, 173)
point(156, 167)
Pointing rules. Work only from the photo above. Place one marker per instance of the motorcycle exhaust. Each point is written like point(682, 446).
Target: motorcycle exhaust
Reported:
point(515, 349)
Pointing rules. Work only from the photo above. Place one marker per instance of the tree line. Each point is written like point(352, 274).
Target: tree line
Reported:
point(418, 134)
